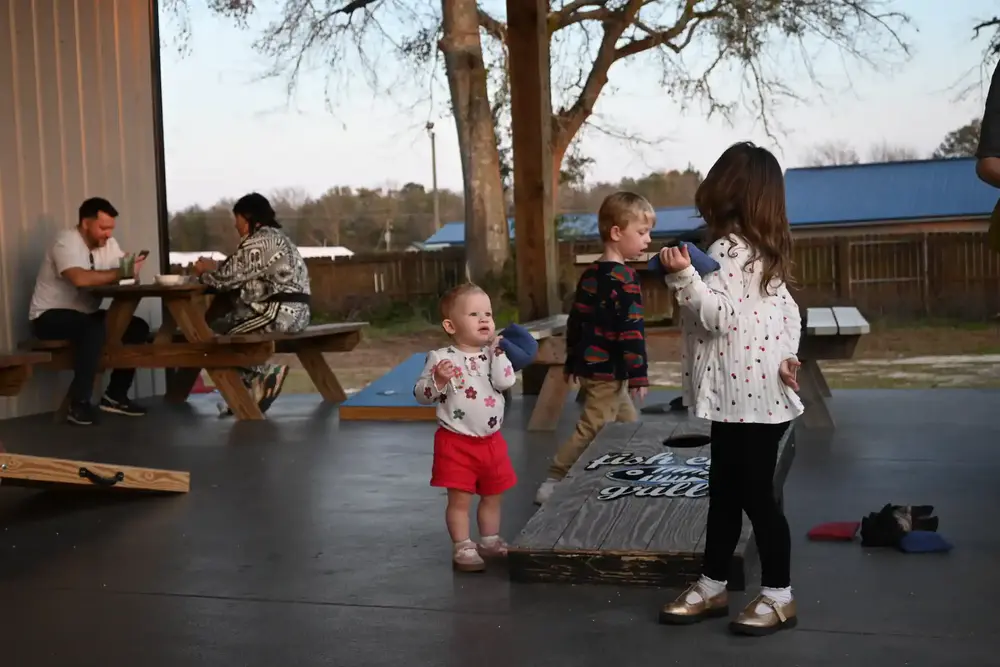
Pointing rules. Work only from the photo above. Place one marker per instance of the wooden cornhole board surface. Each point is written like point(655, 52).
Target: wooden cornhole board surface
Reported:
point(622, 517)
point(42, 471)
point(390, 398)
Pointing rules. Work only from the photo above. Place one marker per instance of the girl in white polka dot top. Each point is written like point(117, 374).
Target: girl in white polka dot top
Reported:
point(741, 335)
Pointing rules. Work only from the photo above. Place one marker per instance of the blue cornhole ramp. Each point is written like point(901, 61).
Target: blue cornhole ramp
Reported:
point(390, 398)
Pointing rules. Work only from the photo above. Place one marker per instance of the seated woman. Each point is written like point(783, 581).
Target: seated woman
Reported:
point(267, 283)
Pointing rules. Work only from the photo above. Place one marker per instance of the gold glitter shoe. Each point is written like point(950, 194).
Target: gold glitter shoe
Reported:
point(778, 617)
point(681, 612)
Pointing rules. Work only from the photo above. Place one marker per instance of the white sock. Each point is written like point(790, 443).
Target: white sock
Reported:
point(705, 587)
point(780, 595)
point(489, 539)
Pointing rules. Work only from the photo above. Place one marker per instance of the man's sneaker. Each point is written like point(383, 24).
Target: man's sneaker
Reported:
point(122, 406)
point(81, 414)
point(545, 490)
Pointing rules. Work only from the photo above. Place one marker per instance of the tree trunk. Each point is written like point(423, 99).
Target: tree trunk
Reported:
point(559, 149)
point(487, 238)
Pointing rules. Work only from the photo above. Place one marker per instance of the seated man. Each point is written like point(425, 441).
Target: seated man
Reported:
point(85, 256)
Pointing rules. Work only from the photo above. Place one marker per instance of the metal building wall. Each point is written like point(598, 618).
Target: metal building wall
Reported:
point(77, 119)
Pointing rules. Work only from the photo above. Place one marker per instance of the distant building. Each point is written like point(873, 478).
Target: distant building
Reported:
point(676, 222)
point(183, 259)
point(331, 251)
point(893, 197)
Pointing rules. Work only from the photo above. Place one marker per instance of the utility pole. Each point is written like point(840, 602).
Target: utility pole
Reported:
point(434, 176)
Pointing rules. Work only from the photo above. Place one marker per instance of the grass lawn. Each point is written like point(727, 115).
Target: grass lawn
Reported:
point(916, 356)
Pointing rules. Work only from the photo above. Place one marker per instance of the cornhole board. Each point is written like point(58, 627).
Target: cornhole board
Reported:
point(390, 398)
point(47, 472)
point(633, 510)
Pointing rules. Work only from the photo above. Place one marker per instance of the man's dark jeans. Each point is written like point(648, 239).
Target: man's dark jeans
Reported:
point(87, 335)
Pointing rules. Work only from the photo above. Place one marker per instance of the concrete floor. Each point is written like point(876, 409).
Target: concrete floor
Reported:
point(309, 542)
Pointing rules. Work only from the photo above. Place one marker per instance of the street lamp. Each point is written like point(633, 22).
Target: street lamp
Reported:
point(434, 176)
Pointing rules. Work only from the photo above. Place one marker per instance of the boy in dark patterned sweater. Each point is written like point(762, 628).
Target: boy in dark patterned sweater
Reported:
point(605, 335)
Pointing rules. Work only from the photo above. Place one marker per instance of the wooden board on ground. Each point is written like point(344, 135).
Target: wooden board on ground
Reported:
point(390, 398)
point(41, 471)
point(633, 511)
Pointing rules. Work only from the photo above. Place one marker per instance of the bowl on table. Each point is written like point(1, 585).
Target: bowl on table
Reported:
point(168, 280)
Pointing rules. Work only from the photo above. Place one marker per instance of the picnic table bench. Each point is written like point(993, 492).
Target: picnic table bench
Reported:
point(16, 370)
point(45, 471)
point(186, 343)
point(550, 332)
point(828, 334)
point(308, 345)
point(633, 510)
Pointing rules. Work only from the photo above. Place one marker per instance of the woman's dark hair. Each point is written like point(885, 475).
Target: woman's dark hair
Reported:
point(255, 208)
point(744, 195)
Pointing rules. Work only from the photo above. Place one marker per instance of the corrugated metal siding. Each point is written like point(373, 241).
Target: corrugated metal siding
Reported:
point(76, 121)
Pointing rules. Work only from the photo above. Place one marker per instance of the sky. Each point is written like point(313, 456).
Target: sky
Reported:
point(228, 130)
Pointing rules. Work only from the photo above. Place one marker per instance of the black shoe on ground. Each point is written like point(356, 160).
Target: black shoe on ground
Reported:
point(81, 414)
point(121, 406)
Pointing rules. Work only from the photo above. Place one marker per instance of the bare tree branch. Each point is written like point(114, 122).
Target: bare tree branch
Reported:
point(567, 122)
point(494, 28)
point(687, 22)
point(739, 34)
point(886, 152)
point(571, 15)
point(832, 153)
point(993, 48)
point(700, 47)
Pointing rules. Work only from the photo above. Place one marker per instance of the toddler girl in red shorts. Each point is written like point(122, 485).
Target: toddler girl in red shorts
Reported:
point(467, 380)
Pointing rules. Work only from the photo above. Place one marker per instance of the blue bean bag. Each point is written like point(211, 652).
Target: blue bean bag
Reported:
point(519, 346)
point(924, 541)
point(701, 262)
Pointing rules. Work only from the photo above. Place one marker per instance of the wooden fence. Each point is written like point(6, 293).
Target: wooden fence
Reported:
point(356, 284)
point(933, 275)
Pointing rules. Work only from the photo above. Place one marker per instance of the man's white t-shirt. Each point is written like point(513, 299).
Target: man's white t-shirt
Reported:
point(53, 291)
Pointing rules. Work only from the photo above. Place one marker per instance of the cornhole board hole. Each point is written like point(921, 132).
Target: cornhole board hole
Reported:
point(390, 398)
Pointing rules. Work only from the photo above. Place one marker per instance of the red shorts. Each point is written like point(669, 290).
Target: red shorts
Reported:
point(475, 465)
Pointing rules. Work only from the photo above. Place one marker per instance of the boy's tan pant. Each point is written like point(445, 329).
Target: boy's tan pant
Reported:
point(604, 402)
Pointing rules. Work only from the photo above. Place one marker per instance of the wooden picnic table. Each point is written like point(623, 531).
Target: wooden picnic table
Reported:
point(550, 332)
point(186, 342)
point(827, 333)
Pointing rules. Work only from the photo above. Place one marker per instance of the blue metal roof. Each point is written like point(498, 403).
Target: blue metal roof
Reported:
point(888, 192)
point(894, 191)
point(669, 222)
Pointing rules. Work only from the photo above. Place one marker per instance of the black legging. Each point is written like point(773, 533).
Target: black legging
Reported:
point(742, 479)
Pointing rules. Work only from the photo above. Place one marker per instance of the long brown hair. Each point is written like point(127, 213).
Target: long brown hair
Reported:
point(744, 195)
